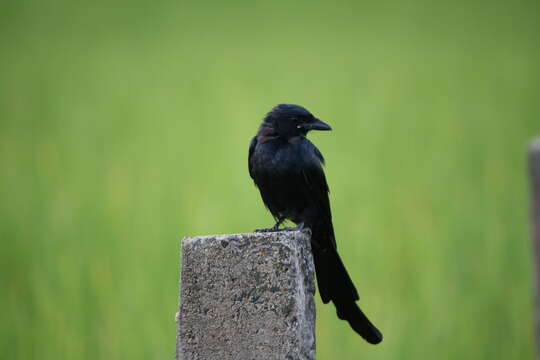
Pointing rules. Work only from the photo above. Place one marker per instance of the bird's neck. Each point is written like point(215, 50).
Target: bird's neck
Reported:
point(267, 130)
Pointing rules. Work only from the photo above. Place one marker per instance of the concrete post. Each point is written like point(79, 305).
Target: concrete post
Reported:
point(534, 169)
point(247, 296)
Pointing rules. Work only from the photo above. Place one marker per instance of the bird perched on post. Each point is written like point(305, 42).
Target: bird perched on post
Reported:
point(287, 169)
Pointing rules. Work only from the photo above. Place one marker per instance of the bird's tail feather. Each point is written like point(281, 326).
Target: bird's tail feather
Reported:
point(359, 322)
point(332, 277)
point(335, 284)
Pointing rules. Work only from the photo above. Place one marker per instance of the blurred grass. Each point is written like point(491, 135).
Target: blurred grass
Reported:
point(125, 125)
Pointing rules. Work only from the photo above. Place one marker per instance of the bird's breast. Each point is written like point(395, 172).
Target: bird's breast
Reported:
point(274, 161)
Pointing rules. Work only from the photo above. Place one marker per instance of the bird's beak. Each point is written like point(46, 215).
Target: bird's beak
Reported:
point(318, 125)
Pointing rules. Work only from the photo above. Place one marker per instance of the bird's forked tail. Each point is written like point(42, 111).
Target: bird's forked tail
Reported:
point(335, 285)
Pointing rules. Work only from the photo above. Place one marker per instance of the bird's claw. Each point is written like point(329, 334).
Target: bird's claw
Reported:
point(274, 228)
point(289, 229)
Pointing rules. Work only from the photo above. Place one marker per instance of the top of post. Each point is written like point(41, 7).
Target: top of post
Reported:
point(534, 147)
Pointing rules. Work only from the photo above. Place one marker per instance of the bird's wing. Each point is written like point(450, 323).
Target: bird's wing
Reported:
point(252, 145)
point(318, 155)
point(317, 189)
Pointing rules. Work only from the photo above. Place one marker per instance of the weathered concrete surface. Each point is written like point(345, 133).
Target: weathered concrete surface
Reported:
point(247, 296)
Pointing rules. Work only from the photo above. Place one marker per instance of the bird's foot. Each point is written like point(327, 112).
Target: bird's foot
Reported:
point(273, 228)
point(300, 227)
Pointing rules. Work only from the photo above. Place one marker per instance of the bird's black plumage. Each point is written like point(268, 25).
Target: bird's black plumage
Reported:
point(287, 169)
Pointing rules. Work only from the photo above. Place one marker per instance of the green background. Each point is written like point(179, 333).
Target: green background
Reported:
point(125, 126)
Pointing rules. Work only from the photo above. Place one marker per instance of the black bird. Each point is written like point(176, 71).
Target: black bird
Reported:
point(287, 169)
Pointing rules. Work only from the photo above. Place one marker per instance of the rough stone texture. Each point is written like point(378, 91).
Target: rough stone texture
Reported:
point(534, 168)
point(247, 296)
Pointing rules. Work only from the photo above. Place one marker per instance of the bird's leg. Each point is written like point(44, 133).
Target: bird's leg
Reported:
point(274, 228)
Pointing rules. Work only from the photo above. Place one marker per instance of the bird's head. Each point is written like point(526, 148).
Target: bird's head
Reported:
point(288, 120)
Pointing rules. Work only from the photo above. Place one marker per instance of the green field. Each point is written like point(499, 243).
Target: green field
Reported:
point(125, 125)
